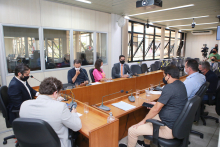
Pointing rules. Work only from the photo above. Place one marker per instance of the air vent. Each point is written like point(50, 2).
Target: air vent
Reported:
point(204, 32)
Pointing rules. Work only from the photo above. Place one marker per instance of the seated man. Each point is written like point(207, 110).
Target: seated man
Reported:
point(78, 75)
point(195, 80)
point(172, 100)
point(19, 90)
point(121, 69)
point(47, 108)
point(211, 77)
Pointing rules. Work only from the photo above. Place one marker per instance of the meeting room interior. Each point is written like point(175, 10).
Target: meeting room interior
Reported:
point(109, 73)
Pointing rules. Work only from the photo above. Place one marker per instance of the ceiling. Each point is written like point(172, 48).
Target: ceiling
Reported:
point(128, 7)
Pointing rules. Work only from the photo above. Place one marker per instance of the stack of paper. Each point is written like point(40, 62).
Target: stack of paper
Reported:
point(155, 92)
point(95, 83)
point(124, 106)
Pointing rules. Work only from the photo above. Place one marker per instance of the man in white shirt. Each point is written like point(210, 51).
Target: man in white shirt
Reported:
point(47, 107)
point(195, 80)
point(19, 90)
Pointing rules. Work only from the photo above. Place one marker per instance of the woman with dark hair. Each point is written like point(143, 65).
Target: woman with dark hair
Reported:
point(98, 73)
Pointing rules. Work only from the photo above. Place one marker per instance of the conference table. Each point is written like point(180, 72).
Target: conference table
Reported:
point(96, 132)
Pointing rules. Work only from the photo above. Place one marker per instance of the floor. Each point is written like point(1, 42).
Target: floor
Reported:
point(210, 131)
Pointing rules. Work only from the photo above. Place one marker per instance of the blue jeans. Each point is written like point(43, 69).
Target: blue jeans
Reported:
point(206, 98)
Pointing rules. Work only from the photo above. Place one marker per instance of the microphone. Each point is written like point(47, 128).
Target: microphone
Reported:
point(103, 107)
point(72, 104)
point(129, 71)
point(158, 88)
point(35, 78)
point(131, 97)
point(87, 78)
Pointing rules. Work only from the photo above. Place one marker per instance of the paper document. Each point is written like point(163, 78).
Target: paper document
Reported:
point(95, 83)
point(124, 106)
point(155, 92)
point(79, 114)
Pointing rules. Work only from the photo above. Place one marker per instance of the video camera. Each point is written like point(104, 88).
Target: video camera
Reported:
point(204, 50)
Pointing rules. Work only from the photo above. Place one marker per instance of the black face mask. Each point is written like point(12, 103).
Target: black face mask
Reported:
point(213, 59)
point(122, 62)
point(164, 81)
point(25, 78)
point(214, 52)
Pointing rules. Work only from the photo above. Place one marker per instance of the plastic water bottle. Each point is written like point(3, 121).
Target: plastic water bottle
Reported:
point(110, 118)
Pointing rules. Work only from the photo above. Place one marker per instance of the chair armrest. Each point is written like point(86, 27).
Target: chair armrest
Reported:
point(16, 112)
point(156, 127)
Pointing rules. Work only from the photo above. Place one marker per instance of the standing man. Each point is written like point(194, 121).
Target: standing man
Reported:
point(77, 74)
point(195, 80)
point(121, 69)
point(19, 90)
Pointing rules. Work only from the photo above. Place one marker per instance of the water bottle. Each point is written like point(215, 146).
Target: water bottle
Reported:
point(110, 118)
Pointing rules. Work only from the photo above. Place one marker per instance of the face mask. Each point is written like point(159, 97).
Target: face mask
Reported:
point(214, 52)
point(101, 67)
point(122, 62)
point(77, 68)
point(164, 81)
point(213, 59)
point(185, 71)
point(25, 78)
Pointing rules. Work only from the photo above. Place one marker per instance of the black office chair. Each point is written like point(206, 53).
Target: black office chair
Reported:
point(144, 68)
point(67, 85)
point(158, 64)
point(200, 93)
point(181, 127)
point(136, 69)
point(113, 77)
point(3, 104)
point(153, 67)
point(35, 133)
point(91, 74)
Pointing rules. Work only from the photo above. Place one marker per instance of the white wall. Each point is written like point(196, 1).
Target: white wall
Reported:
point(194, 43)
point(42, 13)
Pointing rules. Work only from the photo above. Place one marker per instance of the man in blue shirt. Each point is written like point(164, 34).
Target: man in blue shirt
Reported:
point(78, 75)
point(211, 77)
point(195, 80)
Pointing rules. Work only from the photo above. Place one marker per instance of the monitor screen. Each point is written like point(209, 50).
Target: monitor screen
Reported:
point(218, 33)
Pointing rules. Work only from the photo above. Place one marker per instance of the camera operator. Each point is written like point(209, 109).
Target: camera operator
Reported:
point(214, 53)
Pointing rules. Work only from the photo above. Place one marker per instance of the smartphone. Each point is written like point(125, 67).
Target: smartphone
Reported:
point(147, 105)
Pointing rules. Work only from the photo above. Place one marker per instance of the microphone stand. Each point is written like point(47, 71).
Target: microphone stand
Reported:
point(35, 78)
point(131, 97)
point(103, 107)
point(87, 79)
point(73, 103)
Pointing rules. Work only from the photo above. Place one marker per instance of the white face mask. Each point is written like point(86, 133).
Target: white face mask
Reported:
point(77, 68)
point(101, 67)
point(185, 71)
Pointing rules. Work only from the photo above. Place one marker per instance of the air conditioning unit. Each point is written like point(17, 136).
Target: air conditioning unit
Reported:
point(203, 32)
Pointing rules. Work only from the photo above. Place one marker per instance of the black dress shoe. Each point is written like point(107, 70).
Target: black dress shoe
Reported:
point(122, 145)
point(142, 144)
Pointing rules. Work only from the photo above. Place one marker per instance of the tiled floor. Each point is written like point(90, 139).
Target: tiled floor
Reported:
point(210, 131)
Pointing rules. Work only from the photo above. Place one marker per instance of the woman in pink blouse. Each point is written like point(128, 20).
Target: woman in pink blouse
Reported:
point(98, 73)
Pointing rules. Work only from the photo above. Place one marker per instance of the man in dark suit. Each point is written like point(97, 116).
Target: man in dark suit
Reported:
point(121, 69)
point(19, 90)
point(77, 74)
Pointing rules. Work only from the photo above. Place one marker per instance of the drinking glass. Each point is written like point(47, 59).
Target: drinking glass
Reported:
point(76, 85)
point(137, 93)
point(147, 90)
point(146, 73)
point(151, 87)
point(86, 107)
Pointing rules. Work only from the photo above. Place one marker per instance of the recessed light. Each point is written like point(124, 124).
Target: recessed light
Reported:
point(84, 1)
point(196, 24)
point(173, 8)
point(181, 19)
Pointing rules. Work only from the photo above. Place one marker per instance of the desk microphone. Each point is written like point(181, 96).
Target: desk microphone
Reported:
point(87, 78)
point(131, 97)
point(72, 104)
point(35, 78)
point(103, 107)
point(158, 88)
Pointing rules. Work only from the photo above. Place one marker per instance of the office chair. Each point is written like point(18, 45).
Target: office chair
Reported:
point(3, 104)
point(91, 74)
point(197, 59)
point(200, 93)
point(136, 69)
point(158, 64)
point(144, 68)
point(181, 127)
point(67, 85)
point(153, 67)
point(35, 133)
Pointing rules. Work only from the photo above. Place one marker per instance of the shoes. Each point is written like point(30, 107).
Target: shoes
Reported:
point(122, 145)
point(142, 144)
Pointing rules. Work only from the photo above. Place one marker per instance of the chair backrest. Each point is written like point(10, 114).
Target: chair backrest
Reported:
point(197, 59)
point(157, 63)
point(91, 74)
point(136, 69)
point(217, 101)
point(113, 77)
point(35, 133)
point(153, 67)
point(144, 68)
point(4, 100)
point(183, 124)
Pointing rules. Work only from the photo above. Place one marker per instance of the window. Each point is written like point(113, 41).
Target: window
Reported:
point(157, 43)
point(21, 46)
point(149, 47)
point(83, 47)
point(180, 44)
point(56, 48)
point(101, 45)
point(172, 44)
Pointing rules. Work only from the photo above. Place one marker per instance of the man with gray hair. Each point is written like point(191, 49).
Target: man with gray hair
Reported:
point(211, 77)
